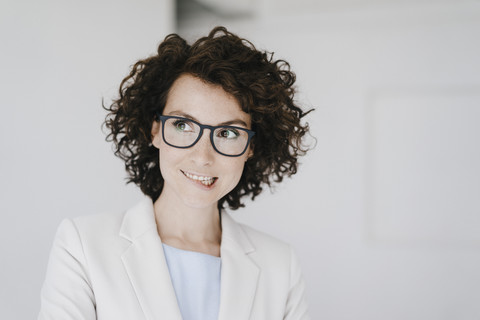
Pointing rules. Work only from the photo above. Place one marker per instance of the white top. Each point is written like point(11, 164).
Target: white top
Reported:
point(196, 279)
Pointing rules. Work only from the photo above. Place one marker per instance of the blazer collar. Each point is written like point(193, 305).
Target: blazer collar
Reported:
point(147, 269)
point(138, 220)
point(145, 263)
point(239, 275)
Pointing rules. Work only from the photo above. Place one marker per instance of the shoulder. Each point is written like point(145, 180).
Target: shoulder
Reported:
point(265, 242)
point(249, 238)
point(89, 234)
point(107, 223)
point(96, 226)
point(275, 258)
point(270, 251)
point(127, 223)
point(264, 249)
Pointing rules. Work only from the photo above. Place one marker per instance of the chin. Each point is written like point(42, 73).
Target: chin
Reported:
point(203, 203)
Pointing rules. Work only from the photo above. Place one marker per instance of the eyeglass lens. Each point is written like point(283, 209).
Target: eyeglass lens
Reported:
point(184, 133)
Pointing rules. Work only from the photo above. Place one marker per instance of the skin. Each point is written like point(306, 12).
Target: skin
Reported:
point(186, 211)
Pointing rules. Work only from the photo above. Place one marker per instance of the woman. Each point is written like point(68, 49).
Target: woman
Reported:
point(199, 127)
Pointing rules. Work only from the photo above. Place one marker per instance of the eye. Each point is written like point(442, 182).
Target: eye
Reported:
point(182, 125)
point(228, 133)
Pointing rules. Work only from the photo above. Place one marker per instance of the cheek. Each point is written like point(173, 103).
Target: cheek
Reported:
point(162, 164)
point(167, 158)
point(236, 170)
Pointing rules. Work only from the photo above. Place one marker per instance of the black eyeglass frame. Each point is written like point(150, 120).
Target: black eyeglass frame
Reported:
point(163, 118)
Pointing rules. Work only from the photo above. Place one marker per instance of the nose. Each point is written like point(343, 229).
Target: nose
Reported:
point(203, 152)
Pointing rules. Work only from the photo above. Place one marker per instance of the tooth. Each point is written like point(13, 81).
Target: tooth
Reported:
point(205, 180)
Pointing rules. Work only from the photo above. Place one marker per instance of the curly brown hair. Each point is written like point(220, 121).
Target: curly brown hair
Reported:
point(263, 87)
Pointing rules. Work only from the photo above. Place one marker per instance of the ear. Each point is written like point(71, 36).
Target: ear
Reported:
point(156, 134)
point(249, 154)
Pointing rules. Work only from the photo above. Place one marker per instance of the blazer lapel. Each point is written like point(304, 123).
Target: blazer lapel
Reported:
point(145, 264)
point(239, 275)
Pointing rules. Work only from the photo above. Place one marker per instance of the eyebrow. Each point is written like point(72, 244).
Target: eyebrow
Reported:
point(226, 123)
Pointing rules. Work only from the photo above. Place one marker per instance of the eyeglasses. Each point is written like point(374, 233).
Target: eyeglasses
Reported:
point(183, 133)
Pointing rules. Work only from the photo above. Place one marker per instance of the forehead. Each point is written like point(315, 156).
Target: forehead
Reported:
point(208, 103)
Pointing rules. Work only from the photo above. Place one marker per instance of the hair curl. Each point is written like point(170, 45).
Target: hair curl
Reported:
point(263, 87)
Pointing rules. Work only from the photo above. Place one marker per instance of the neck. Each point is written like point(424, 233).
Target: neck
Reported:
point(188, 228)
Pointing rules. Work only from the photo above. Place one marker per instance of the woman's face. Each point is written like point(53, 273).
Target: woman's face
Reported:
point(188, 173)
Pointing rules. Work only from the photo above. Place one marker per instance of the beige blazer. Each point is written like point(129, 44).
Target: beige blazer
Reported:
point(112, 267)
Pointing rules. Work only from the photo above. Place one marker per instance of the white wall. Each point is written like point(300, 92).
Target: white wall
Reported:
point(58, 60)
point(385, 212)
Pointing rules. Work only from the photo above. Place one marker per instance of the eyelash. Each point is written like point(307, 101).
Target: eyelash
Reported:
point(235, 132)
point(177, 122)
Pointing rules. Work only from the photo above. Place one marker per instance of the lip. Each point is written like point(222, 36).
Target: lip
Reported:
point(199, 182)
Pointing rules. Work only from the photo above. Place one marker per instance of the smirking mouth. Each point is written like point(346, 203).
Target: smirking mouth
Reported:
point(205, 180)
